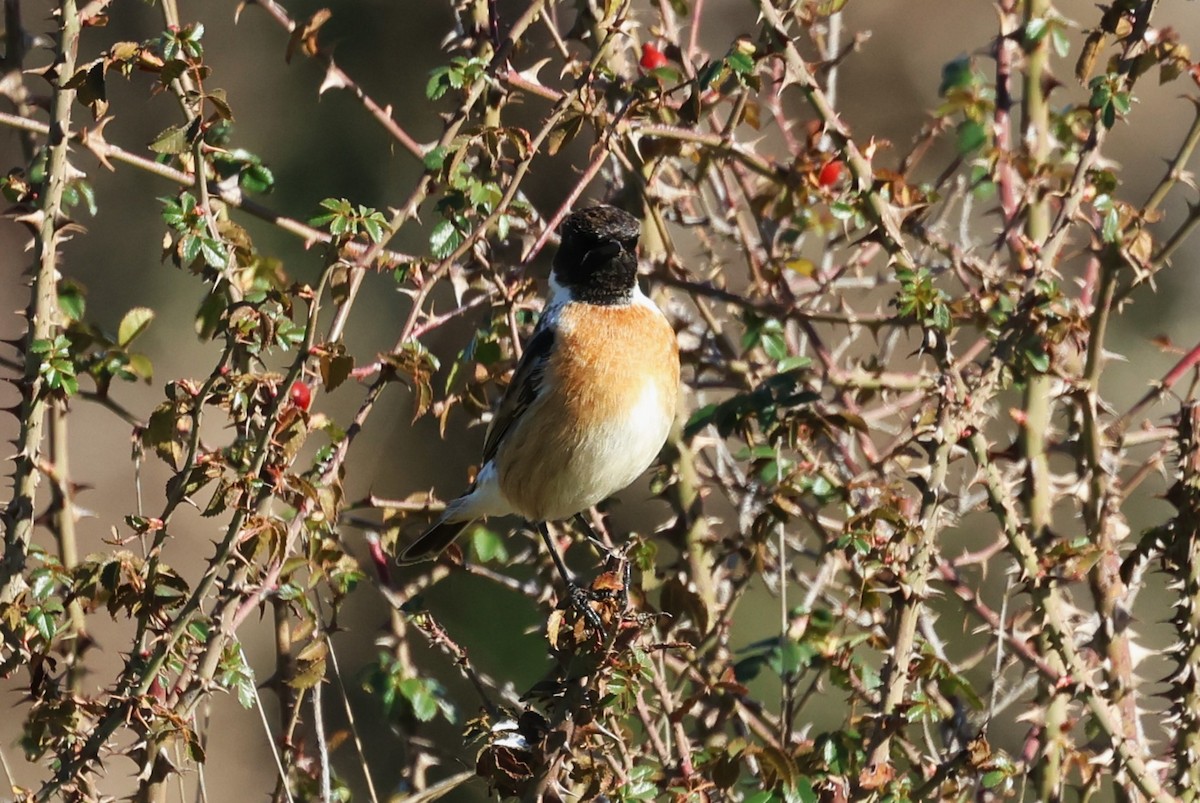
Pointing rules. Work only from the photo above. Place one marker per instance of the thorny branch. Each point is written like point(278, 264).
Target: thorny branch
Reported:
point(894, 396)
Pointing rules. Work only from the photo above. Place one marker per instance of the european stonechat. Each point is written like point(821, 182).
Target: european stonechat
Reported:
point(593, 396)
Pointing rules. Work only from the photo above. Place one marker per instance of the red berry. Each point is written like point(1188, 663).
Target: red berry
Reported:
point(300, 395)
point(652, 58)
point(831, 173)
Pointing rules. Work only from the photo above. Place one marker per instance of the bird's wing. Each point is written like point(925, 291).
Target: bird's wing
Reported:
point(524, 388)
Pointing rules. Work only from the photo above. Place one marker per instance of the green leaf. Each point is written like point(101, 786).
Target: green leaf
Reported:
point(740, 62)
point(42, 585)
point(488, 545)
point(170, 46)
point(141, 367)
point(1038, 360)
point(789, 658)
point(1060, 42)
point(43, 623)
point(774, 345)
point(71, 300)
point(699, 420)
point(667, 75)
point(485, 194)
point(173, 140)
point(956, 74)
point(219, 102)
point(257, 178)
point(214, 253)
point(424, 703)
point(438, 83)
point(941, 317)
point(802, 792)
point(1035, 29)
point(993, 779)
point(209, 316)
point(89, 195)
point(189, 248)
point(1111, 231)
point(707, 74)
point(444, 239)
point(308, 674)
point(435, 158)
point(133, 324)
point(841, 211)
point(237, 674)
point(174, 67)
point(971, 135)
point(176, 211)
point(793, 363)
point(487, 352)
point(374, 227)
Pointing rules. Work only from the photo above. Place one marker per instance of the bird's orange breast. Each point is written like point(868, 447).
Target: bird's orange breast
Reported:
point(604, 355)
point(611, 387)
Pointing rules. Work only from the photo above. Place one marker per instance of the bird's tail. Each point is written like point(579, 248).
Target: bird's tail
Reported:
point(434, 540)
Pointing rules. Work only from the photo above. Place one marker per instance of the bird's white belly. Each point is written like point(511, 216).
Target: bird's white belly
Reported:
point(612, 455)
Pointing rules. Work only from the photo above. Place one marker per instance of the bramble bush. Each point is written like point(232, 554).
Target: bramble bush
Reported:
point(900, 457)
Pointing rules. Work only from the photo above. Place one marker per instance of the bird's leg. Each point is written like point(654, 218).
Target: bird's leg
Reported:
point(578, 594)
point(558, 561)
point(613, 558)
point(590, 534)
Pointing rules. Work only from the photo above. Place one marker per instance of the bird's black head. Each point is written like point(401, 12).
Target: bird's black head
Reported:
point(597, 259)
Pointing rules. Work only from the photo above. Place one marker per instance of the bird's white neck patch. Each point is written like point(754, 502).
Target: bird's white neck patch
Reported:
point(640, 299)
point(560, 297)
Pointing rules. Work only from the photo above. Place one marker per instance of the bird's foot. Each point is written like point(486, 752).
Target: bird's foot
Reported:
point(581, 599)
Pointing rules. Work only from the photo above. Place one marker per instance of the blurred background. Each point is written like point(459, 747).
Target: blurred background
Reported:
point(327, 146)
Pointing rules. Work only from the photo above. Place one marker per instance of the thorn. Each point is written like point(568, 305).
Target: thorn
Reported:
point(93, 140)
point(33, 219)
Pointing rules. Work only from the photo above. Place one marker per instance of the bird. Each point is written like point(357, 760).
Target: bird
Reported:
point(592, 399)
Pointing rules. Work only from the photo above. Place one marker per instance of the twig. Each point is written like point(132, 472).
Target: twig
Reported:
point(105, 151)
point(1058, 631)
point(337, 78)
point(877, 208)
point(262, 715)
point(322, 745)
point(42, 315)
point(358, 745)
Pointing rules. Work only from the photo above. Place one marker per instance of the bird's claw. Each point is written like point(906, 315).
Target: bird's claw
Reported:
point(581, 598)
